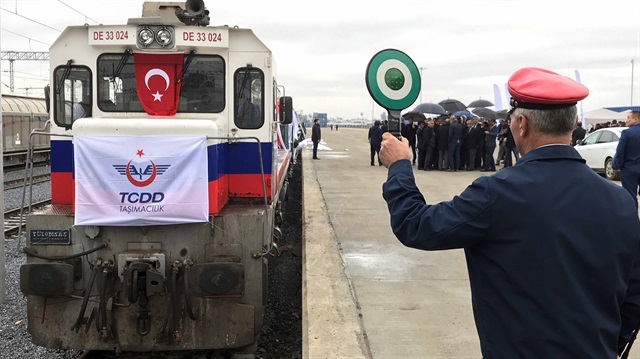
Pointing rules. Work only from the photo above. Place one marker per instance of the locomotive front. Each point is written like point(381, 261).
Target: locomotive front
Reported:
point(170, 148)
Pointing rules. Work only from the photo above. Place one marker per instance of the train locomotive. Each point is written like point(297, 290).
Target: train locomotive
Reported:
point(171, 144)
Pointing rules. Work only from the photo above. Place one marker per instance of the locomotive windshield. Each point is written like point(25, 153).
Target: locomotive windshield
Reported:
point(72, 93)
point(248, 89)
point(202, 89)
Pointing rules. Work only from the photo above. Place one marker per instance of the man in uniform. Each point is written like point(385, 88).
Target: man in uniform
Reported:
point(554, 273)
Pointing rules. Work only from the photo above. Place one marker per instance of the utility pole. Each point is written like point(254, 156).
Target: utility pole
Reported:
point(421, 68)
point(372, 105)
point(11, 56)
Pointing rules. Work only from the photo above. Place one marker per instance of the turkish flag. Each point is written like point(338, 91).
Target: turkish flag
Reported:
point(157, 82)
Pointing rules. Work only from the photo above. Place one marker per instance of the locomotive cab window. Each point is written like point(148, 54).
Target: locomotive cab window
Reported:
point(249, 98)
point(201, 90)
point(73, 98)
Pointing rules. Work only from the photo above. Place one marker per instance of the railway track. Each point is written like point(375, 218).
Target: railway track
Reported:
point(12, 222)
point(18, 183)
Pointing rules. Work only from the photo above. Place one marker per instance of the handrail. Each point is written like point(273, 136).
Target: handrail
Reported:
point(40, 131)
point(264, 186)
point(28, 175)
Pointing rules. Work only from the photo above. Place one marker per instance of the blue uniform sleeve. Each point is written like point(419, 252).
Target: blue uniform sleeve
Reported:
point(618, 158)
point(461, 222)
point(630, 309)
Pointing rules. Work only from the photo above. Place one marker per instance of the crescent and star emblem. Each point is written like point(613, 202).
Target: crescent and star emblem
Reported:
point(157, 72)
point(141, 183)
point(152, 170)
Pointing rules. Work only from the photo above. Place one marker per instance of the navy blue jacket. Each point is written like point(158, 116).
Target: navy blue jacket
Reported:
point(408, 131)
point(552, 252)
point(628, 150)
point(490, 139)
point(315, 133)
point(456, 132)
point(375, 136)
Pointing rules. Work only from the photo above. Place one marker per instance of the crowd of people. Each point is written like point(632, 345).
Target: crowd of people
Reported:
point(614, 123)
point(457, 143)
point(453, 143)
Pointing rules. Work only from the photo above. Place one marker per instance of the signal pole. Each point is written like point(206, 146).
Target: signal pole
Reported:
point(421, 68)
point(11, 56)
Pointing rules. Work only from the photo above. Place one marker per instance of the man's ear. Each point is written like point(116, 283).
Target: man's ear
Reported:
point(523, 125)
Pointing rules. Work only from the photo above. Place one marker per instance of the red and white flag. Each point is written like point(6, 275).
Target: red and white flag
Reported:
point(140, 181)
point(157, 82)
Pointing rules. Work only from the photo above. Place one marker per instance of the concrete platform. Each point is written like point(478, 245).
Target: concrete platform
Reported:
point(365, 294)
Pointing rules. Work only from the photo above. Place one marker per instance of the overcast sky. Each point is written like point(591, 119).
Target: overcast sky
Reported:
point(322, 48)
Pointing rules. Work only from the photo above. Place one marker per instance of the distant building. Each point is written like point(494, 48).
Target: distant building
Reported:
point(322, 117)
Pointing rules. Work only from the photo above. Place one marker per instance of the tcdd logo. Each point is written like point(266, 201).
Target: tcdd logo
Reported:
point(149, 172)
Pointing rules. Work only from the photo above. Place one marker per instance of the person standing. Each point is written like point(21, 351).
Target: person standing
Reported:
point(375, 139)
point(545, 281)
point(471, 144)
point(490, 136)
point(578, 133)
point(315, 137)
point(463, 147)
point(510, 148)
point(442, 138)
point(421, 145)
point(477, 124)
point(429, 138)
point(627, 157)
point(501, 140)
point(455, 137)
point(408, 131)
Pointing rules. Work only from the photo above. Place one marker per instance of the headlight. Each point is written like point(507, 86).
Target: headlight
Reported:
point(145, 36)
point(164, 37)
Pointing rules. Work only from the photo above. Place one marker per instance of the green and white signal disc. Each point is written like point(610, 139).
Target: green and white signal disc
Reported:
point(393, 79)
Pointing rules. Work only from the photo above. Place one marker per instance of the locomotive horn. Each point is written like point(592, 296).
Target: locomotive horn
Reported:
point(194, 7)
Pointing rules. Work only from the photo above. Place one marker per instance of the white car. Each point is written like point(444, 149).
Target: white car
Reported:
point(598, 149)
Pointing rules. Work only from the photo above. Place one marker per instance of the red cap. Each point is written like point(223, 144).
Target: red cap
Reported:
point(536, 88)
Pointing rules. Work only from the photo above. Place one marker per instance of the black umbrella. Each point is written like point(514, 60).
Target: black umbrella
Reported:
point(428, 107)
point(452, 105)
point(417, 116)
point(502, 114)
point(485, 112)
point(480, 103)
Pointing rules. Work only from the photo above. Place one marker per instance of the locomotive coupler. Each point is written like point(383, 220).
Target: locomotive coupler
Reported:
point(141, 280)
point(101, 319)
point(144, 319)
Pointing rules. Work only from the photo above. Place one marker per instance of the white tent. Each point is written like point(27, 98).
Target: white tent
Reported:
point(603, 115)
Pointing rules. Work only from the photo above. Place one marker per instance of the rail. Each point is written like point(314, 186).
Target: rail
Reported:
point(11, 164)
point(13, 218)
point(17, 183)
